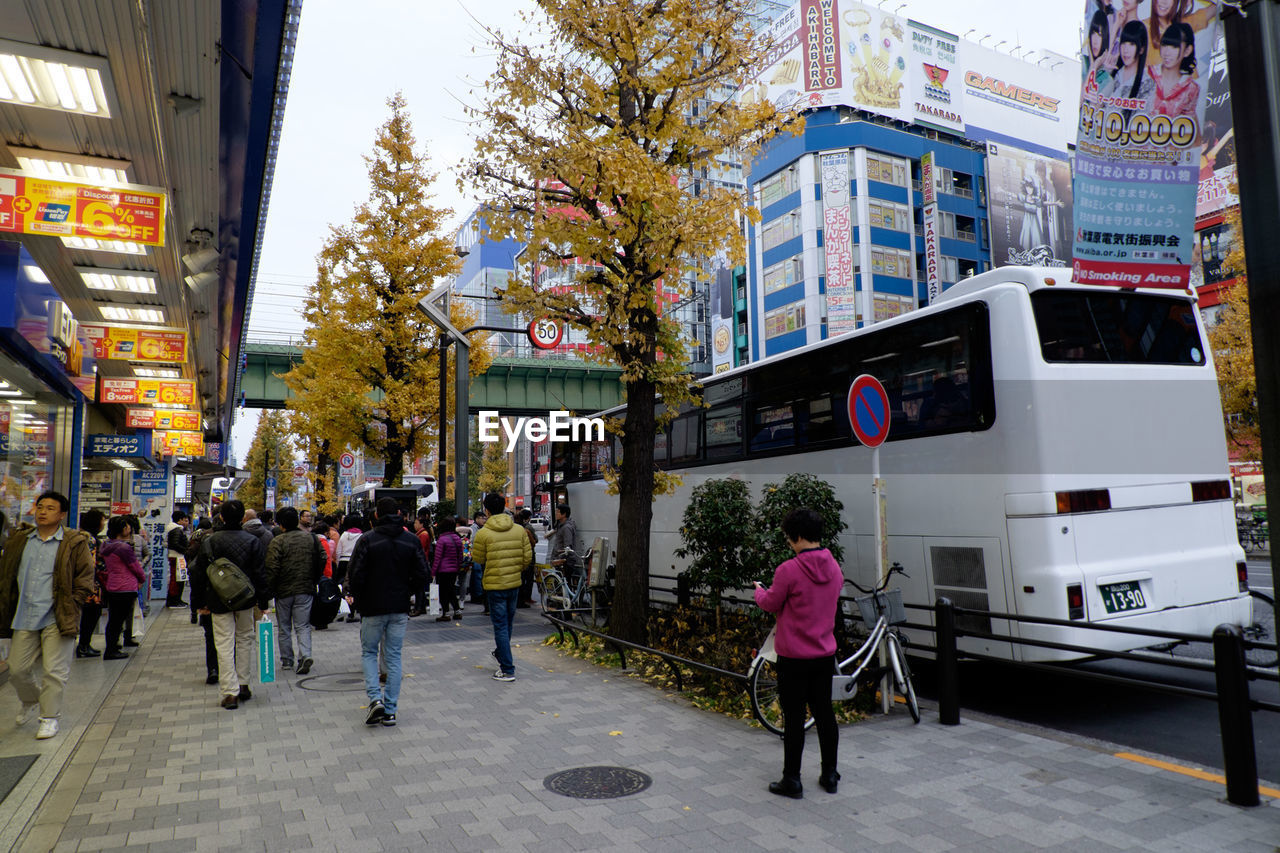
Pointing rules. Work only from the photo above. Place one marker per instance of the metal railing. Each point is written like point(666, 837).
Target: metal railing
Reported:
point(1232, 675)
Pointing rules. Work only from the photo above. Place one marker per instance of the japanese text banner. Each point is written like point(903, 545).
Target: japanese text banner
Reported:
point(162, 419)
point(127, 343)
point(1142, 103)
point(34, 205)
point(174, 443)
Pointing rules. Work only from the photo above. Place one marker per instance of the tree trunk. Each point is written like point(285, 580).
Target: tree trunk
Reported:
point(630, 617)
point(393, 455)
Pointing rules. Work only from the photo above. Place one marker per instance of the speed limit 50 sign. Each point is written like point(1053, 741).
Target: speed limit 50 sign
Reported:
point(546, 333)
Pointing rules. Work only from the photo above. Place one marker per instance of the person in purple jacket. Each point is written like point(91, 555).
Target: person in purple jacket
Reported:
point(804, 596)
point(124, 575)
point(445, 564)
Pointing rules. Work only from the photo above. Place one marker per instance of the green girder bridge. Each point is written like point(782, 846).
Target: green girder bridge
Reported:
point(512, 386)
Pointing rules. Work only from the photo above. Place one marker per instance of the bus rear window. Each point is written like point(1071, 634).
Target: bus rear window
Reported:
point(1116, 328)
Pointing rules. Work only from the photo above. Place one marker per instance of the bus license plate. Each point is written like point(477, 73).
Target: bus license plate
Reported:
point(1119, 597)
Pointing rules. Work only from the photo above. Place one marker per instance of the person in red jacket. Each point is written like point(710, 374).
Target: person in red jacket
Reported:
point(124, 576)
point(804, 596)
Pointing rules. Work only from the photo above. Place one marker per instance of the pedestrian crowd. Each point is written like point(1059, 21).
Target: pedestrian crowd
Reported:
point(56, 582)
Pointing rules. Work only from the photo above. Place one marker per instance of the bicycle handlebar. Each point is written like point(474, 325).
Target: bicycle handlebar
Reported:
point(896, 568)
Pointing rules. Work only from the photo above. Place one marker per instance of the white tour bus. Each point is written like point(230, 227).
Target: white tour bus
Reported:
point(1056, 450)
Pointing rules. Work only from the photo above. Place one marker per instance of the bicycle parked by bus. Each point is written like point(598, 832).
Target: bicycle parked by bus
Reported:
point(881, 610)
point(568, 593)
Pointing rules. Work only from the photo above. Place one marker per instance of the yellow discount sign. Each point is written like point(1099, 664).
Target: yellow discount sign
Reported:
point(147, 391)
point(32, 205)
point(175, 443)
point(130, 343)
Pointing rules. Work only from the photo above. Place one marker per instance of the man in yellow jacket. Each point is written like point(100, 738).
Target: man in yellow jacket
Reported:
point(502, 547)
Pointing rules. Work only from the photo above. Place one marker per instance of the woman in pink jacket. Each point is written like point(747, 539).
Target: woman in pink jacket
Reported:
point(804, 596)
point(124, 574)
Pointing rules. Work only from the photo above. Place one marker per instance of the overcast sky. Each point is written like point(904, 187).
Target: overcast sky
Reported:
point(351, 57)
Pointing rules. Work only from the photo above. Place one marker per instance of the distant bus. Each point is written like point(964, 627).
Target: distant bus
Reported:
point(410, 497)
point(1055, 450)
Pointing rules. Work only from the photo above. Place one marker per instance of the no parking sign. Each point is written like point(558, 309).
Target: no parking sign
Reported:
point(869, 410)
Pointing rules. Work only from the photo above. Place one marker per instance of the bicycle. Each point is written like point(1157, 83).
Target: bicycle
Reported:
point(574, 594)
point(881, 610)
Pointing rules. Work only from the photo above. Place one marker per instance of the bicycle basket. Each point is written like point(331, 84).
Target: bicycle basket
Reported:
point(888, 602)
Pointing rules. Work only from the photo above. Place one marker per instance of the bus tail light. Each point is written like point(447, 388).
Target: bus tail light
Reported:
point(1211, 490)
point(1242, 576)
point(1075, 601)
point(1084, 500)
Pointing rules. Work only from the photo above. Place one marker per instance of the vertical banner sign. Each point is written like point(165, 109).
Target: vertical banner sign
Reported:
point(929, 221)
point(821, 45)
point(1029, 197)
point(837, 223)
point(1142, 106)
point(935, 83)
point(152, 493)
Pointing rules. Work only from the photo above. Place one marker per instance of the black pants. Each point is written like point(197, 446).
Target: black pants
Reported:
point(801, 682)
point(526, 585)
point(448, 584)
point(210, 651)
point(119, 616)
point(89, 616)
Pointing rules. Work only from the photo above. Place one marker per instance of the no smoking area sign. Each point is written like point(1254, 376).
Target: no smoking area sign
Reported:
point(869, 410)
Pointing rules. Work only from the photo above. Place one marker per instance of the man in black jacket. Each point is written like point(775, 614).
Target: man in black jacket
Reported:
point(232, 630)
point(386, 567)
point(295, 562)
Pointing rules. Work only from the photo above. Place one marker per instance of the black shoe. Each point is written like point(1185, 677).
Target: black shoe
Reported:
point(130, 644)
point(305, 666)
point(376, 713)
point(194, 619)
point(245, 693)
point(829, 780)
point(388, 720)
point(212, 678)
point(87, 652)
point(286, 665)
point(230, 703)
point(115, 654)
point(443, 617)
point(787, 787)
point(414, 613)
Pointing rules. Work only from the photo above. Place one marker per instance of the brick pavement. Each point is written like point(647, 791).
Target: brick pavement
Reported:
point(160, 767)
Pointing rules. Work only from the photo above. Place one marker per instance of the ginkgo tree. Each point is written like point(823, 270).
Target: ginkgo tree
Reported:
point(270, 455)
point(368, 378)
point(1232, 341)
point(595, 126)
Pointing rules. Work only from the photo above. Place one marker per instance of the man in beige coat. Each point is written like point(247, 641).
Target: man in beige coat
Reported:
point(502, 547)
point(46, 574)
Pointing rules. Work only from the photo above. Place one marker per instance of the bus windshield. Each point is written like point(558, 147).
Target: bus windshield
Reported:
point(1116, 328)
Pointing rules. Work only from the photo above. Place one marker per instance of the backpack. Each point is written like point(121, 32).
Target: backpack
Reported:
point(326, 603)
point(229, 583)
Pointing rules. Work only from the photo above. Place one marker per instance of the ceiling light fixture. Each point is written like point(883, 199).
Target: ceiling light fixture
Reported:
point(123, 281)
point(58, 165)
point(131, 314)
point(91, 244)
point(148, 372)
point(32, 75)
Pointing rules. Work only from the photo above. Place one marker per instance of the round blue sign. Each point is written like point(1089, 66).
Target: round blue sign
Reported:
point(869, 410)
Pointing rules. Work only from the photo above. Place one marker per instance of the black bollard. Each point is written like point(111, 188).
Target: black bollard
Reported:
point(1235, 716)
point(948, 664)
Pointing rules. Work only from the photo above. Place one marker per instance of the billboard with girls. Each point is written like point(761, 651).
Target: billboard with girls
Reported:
point(1145, 66)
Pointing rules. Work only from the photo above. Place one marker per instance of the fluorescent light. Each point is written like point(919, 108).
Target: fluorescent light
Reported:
point(63, 165)
point(35, 274)
point(156, 372)
point(91, 244)
point(123, 463)
point(10, 392)
point(22, 402)
point(131, 314)
point(124, 281)
point(46, 77)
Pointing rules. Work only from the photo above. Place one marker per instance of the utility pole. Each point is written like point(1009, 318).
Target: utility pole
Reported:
point(1253, 62)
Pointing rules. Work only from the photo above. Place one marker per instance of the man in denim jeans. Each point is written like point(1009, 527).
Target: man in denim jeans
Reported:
point(502, 547)
point(387, 565)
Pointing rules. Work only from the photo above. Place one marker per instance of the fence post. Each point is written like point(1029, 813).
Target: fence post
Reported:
point(948, 663)
point(1235, 716)
point(683, 595)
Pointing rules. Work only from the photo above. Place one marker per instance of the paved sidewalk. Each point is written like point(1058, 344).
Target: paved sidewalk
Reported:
point(160, 767)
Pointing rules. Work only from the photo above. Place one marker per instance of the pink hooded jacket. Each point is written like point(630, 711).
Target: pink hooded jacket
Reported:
point(804, 595)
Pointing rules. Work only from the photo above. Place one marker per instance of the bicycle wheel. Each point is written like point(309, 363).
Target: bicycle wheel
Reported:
point(595, 608)
point(902, 674)
point(1263, 630)
point(555, 593)
point(763, 684)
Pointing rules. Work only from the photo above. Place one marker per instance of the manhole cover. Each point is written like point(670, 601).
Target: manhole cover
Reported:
point(338, 682)
point(597, 783)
